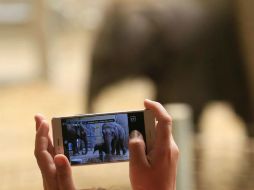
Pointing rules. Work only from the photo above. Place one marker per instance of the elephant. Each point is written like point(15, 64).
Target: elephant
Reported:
point(75, 132)
point(114, 138)
point(71, 137)
point(82, 135)
point(190, 57)
point(102, 148)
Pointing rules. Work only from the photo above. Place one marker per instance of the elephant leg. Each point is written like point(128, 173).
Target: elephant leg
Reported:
point(197, 111)
point(165, 96)
point(85, 142)
point(67, 150)
point(122, 147)
point(118, 148)
point(81, 145)
point(75, 148)
point(247, 115)
point(113, 147)
point(244, 109)
point(101, 155)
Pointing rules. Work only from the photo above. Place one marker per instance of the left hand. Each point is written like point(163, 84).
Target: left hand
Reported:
point(55, 169)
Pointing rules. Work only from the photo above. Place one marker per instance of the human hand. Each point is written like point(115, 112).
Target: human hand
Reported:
point(157, 169)
point(55, 169)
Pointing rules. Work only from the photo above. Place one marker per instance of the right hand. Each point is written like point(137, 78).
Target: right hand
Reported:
point(157, 169)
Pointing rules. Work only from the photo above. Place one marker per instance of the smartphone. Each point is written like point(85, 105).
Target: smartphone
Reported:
point(101, 138)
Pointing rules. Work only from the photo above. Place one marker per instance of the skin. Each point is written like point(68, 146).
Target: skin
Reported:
point(55, 169)
point(156, 170)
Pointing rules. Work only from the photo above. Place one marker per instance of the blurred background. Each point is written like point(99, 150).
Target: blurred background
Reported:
point(65, 57)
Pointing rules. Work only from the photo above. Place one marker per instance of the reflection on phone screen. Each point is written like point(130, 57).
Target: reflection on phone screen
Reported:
point(100, 138)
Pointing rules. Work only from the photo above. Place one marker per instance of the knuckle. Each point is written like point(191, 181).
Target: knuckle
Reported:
point(175, 151)
point(164, 135)
point(36, 154)
point(136, 144)
point(157, 104)
point(167, 119)
point(37, 135)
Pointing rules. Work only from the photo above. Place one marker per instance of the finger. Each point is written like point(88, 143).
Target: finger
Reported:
point(174, 156)
point(44, 183)
point(163, 127)
point(51, 149)
point(138, 159)
point(174, 151)
point(64, 174)
point(41, 140)
point(43, 157)
point(38, 119)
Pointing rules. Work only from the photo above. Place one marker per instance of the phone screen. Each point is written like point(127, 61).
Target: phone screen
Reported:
point(100, 138)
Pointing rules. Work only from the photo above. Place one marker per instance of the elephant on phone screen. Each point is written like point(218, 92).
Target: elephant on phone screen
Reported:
point(77, 132)
point(102, 148)
point(114, 138)
point(72, 137)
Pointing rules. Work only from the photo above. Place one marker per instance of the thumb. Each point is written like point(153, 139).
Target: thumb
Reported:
point(64, 174)
point(138, 159)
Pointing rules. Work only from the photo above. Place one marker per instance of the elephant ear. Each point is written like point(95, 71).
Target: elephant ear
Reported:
point(118, 129)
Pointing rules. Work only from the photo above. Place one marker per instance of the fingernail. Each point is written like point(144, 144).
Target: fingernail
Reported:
point(148, 100)
point(43, 122)
point(60, 162)
point(135, 134)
